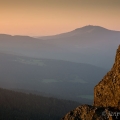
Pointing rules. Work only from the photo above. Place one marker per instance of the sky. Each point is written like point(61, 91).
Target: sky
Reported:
point(50, 17)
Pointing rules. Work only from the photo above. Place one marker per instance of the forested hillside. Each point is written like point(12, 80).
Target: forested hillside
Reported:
point(21, 106)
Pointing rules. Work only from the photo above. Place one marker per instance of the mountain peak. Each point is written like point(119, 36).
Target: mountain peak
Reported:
point(90, 28)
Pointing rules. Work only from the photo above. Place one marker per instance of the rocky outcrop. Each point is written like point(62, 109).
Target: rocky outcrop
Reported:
point(87, 112)
point(106, 98)
point(107, 92)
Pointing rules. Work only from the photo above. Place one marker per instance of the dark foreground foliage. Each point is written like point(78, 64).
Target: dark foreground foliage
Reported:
point(21, 106)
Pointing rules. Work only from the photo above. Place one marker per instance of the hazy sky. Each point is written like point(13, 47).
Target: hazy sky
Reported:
point(46, 17)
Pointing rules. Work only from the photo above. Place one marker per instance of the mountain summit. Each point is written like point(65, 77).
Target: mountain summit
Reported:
point(106, 98)
point(79, 31)
point(90, 28)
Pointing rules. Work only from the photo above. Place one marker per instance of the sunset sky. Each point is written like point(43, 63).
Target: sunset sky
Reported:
point(48, 17)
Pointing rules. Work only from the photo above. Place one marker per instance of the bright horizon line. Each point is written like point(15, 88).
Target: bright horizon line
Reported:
point(59, 32)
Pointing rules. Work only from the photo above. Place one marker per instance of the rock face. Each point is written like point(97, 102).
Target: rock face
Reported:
point(87, 112)
point(106, 98)
point(107, 92)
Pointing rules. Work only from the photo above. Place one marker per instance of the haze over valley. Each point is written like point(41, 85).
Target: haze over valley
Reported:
point(62, 65)
point(53, 53)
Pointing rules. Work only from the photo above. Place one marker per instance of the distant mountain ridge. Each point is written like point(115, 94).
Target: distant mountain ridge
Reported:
point(89, 44)
point(85, 29)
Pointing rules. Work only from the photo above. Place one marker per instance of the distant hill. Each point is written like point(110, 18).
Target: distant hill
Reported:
point(90, 44)
point(79, 31)
point(21, 106)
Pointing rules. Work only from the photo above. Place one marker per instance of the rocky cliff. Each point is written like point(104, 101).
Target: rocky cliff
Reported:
point(106, 98)
point(107, 92)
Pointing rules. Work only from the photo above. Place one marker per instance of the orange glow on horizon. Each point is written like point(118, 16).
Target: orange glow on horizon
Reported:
point(38, 17)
